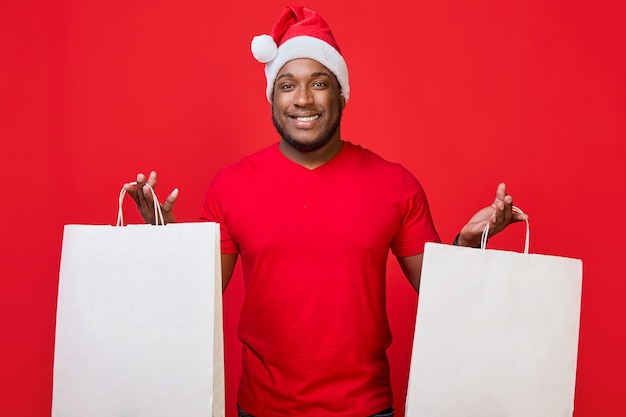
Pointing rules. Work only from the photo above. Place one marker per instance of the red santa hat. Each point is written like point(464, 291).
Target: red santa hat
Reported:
point(300, 33)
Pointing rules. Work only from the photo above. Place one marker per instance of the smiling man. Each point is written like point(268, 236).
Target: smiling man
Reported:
point(313, 218)
point(307, 105)
point(306, 110)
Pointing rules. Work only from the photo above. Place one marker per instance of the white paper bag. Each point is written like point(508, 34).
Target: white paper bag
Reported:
point(496, 334)
point(139, 322)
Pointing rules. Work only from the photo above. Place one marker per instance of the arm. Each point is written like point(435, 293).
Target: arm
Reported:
point(228, 266)
point(412, 268)
point(143, 199)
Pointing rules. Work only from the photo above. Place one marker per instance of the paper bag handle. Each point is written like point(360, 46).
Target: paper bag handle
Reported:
point(483, 239)
point(158, 214)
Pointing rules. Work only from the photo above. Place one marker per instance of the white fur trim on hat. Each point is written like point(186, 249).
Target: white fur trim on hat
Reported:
point(307, 47)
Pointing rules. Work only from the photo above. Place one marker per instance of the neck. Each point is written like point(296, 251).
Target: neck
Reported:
point(312, 159)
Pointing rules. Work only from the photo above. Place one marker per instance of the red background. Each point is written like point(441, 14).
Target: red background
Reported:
point(465, 94)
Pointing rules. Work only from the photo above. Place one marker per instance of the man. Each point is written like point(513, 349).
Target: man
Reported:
point(313, 219)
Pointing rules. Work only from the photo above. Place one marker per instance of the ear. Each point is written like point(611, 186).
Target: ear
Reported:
point(343, 101)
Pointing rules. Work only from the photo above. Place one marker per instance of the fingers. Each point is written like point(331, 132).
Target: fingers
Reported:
point(501, 191)
point(519, 217)
point(152, 179)
point(502, 200)
point(503, 205)
point(131, 190)
point(147, 192)
point(168, 205)
point(144, 197)
point(142, 194)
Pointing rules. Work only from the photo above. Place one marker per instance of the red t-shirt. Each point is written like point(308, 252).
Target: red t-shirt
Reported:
point(314, 247)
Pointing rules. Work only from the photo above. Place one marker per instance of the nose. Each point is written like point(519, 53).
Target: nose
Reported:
point(303, 97)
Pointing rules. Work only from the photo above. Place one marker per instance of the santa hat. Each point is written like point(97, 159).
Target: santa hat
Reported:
point(300, 33)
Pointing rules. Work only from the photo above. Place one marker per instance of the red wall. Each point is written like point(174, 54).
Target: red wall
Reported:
point(465, 94)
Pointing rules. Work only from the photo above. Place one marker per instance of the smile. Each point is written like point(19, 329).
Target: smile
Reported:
point(307, 119)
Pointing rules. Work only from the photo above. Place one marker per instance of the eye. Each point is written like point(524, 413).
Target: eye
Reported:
point(319, 84)
point(286, 86)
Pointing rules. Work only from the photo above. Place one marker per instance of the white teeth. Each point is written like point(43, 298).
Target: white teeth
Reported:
point(306, 119)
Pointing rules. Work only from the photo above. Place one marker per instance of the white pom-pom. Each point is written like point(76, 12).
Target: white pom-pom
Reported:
point(264, 48)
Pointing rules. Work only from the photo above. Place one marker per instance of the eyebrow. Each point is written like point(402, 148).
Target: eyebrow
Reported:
point(315, 74)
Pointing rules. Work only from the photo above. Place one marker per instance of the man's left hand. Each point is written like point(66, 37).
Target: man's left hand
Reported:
point(499, 215)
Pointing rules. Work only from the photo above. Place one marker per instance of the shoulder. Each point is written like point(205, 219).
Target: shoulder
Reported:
point(369, 156)
point(239, 179)
point(396, 180)
point(249, 165)
point(375, 164)
point(261, 157)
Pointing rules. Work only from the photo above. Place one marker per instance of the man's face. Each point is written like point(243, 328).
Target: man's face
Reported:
point(307, 105)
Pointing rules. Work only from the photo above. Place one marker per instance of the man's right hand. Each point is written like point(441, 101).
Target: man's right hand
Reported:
point(142, 196)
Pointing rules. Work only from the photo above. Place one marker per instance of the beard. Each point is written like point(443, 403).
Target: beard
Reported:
point(319, 142)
